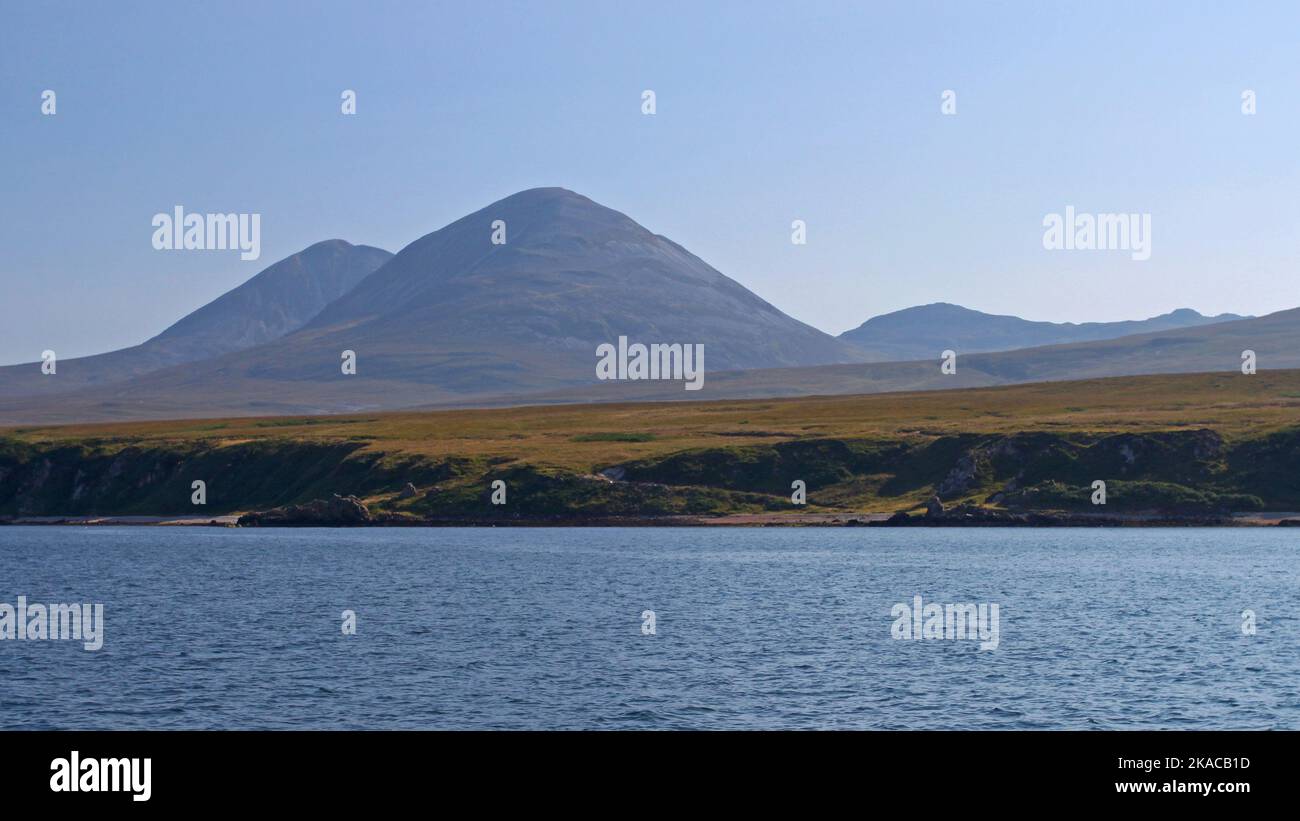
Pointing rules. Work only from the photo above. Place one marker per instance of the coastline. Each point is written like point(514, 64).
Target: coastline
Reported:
point(812, 520)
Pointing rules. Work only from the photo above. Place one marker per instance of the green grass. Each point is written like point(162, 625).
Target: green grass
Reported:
point(613, 437)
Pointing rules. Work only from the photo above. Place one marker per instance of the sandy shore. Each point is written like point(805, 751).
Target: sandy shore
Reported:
point(222, 521)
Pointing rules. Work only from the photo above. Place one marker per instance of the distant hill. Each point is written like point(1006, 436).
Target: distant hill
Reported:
point(1274, 338)
point(924, 331)
point(279, 300)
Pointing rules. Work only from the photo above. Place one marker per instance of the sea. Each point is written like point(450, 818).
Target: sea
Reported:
point(655, 628)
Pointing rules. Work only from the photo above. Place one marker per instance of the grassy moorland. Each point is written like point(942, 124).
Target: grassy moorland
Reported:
point(1192, 443)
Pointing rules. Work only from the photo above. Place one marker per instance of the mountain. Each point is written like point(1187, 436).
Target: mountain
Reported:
point(455, 316)
point(571, 275)
point(277, 301)
point(924, 331)
point(455, 319)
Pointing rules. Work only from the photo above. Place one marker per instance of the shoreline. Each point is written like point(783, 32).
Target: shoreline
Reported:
point(811, 520)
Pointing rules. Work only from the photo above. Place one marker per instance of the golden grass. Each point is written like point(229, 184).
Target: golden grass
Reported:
point(1236, 406)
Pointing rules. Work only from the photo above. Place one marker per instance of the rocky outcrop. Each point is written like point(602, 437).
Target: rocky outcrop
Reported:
point(961, 479)
point(333, 512)
point(983, 463)
point(968, 515)
point(1137, 453)
point(1191, 458)
point(98, 478)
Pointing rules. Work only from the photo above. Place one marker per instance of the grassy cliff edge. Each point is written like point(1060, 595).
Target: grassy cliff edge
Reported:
point(1190, 445)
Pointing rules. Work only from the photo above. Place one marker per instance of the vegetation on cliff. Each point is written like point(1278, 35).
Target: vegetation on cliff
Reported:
point(1191, 445)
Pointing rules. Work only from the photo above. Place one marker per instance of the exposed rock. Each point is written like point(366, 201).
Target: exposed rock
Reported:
point(408, 492)
point(1206, 444)
point(960, 479)
point(27, 501)
point(1139, 451)
point(934, 507)
point(79, 487)
point(968, 515)
point(614, 474)
point(338, 510)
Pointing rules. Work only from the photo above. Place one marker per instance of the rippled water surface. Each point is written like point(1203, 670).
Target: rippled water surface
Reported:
point(755, 628)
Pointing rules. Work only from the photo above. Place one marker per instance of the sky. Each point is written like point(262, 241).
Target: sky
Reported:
point(766, 113)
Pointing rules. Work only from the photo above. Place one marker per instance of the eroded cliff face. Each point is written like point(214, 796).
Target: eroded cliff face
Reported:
point(1194, 459)
point(1183, 471)
point(1192, 471)
point(158, 479)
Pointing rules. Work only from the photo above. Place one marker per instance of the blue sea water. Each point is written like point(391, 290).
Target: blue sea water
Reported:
point(754, 628)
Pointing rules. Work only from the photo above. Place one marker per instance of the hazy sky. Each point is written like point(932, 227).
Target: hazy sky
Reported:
point(766, 113)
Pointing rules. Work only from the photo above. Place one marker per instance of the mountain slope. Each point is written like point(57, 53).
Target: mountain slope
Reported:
point(572, 275)
point(279, 300)
point(924, 331)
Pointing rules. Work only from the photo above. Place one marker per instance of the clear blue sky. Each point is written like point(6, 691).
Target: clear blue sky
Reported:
point(767, 112)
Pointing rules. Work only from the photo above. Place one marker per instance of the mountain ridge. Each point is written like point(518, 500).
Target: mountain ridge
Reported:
point(922, 331)
point(1210, 348)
